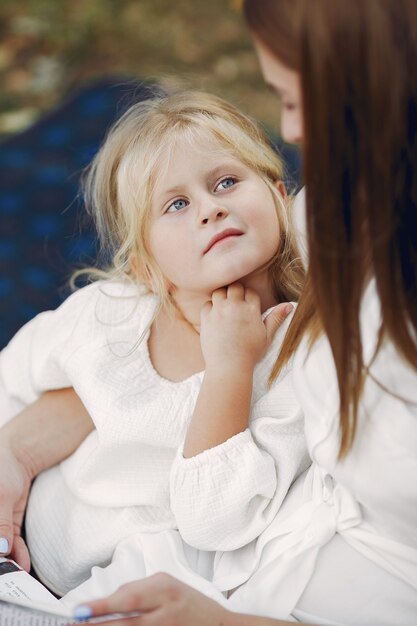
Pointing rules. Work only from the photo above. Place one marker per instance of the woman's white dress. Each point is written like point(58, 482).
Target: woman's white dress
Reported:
point(343, 548)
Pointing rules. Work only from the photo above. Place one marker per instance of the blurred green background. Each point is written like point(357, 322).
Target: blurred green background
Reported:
point(48, 47)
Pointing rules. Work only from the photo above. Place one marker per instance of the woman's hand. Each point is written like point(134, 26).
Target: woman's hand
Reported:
point(43, 434)
point(165, 601)
point(15, 480)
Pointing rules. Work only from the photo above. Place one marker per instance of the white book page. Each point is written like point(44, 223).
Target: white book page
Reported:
point(24, 601)
point(18, 586)
point(15, 615)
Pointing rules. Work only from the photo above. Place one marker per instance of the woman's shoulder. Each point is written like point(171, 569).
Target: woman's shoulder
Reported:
point(390, 378)
point(388, 369)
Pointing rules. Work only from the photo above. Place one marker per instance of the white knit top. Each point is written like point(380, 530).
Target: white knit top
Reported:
point(129, 475)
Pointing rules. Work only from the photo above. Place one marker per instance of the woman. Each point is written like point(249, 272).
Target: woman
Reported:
point(344, 549)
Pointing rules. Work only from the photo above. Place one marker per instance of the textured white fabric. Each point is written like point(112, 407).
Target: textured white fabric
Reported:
point(299, 565)
point(117, 484)
point(144, 554)
point(244, 480)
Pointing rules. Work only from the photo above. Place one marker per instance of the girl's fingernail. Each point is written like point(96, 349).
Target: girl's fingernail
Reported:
point(4, 545)
point(288, 309)
point(82, 612)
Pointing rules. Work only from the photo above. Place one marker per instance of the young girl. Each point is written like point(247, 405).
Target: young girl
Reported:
point(188, 434)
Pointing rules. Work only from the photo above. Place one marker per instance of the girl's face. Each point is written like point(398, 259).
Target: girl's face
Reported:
point(286, 84)
point(213, 221)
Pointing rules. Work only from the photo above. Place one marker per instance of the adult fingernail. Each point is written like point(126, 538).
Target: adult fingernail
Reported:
point(82, 612)
point(4, 545)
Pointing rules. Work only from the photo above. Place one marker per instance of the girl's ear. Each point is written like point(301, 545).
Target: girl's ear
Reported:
point(279, 184)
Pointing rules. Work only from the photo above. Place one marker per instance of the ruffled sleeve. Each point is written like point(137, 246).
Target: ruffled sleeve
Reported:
point(226, 496)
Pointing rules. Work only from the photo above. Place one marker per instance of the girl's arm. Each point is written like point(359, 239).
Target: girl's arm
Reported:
point(40, 436)
point(167, 602)
point(233, 339)
point(225, 496)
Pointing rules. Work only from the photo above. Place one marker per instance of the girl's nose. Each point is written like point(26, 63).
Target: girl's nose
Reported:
point(214, 214)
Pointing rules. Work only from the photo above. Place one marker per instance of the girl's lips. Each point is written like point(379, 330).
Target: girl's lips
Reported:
point(229, 232)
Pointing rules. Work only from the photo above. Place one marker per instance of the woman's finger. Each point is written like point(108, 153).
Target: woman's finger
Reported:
point(155, 618)
point(20, 553)
point(6, 523)
point(139, 596)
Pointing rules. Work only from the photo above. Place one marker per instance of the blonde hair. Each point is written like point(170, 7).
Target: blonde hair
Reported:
point(120, 181)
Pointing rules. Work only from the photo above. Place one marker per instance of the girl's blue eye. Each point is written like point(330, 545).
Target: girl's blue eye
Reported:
point(226, 183)
point(177, 205)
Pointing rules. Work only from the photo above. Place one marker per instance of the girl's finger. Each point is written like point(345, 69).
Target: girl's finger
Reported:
point(236, 291)
point(252, 297)
point(219, 295)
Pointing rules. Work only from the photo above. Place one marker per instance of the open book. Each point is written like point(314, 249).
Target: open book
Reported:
point(24, 601)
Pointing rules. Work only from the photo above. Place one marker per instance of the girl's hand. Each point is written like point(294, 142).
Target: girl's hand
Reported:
point(233, 339)
point(232, 331)
point(163, 600)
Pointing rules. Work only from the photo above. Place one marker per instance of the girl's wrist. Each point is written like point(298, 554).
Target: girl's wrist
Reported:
point(238, 374)
point(231, 365)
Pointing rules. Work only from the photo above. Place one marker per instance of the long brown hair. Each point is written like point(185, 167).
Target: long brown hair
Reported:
point(359, 88)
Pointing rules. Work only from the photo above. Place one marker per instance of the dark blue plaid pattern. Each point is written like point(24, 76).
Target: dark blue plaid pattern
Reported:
point(44, 232)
